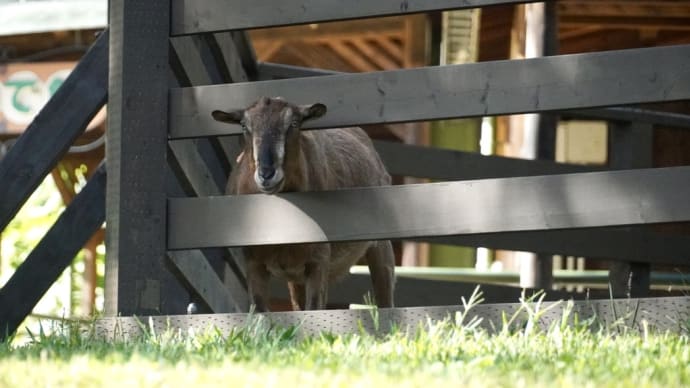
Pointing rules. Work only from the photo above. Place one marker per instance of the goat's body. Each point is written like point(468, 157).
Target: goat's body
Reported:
point(327, 160)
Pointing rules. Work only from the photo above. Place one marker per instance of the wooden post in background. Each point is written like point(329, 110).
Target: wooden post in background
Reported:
point(630, 146)
point(539, 130)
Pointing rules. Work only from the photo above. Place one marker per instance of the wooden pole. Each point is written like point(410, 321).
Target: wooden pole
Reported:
point(138, 278)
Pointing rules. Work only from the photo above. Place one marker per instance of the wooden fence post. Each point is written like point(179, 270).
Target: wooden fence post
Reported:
point(138, 280)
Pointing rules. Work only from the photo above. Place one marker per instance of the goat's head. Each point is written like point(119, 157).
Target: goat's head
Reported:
point(271, 129)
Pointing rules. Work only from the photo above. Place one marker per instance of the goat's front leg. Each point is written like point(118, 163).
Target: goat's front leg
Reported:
point(257, 282)
point(316, 274)
point(296, 295)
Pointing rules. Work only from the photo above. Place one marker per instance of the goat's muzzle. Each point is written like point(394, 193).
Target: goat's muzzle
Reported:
point(269, 180)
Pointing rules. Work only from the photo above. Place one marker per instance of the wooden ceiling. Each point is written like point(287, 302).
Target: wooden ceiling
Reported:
point(587, 25)
point(384, 43)
point(358, 45)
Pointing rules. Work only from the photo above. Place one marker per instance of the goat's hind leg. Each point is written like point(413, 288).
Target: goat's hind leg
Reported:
point(381, 261)
point(316, 283)
point(258, 281)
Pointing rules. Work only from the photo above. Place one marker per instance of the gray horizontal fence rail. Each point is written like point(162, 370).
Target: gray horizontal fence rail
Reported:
point(618, 243)
point(662, 314)
point(54, 129)
point(438, 209)
point(194, 16)
point(481, 89)
point(273, 71)
point(445, 164)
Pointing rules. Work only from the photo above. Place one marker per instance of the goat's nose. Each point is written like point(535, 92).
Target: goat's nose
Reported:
point(267, 172)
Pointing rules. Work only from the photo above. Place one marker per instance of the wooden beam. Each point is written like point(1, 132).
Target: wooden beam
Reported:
point(371, 53)
point(357, 61)
point(195, 55)
point(437, 209)
point(195, 268)
point(246, 53)
point(490, 88)
point(630, 146)
point(56, 250)
point(137, 278)
point(230, 58)
point(443, 164)
point(628, 22)
point(392, 48)
point(54, 129)
point(625, 9)
point(195, 173)
point(271, 71)
point(637, 244)
point(192, 16)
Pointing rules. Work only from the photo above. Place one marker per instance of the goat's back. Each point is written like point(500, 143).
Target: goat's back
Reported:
point(341, 157)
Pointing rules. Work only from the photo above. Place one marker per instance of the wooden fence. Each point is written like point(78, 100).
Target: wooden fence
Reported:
point(168, 226)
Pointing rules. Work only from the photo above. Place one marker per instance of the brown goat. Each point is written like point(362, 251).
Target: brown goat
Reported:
point(278, 156)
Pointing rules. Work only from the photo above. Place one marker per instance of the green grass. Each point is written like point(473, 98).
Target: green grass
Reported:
point(454, 352)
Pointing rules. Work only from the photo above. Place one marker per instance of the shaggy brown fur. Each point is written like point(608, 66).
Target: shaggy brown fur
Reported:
point(277, 156)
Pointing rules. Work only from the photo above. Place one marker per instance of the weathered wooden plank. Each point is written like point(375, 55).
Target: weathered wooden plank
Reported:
point(246, 52)
point(196, 56)
point(193, 16)
point(199, 60)
point(205, 281)
point(73, 228)
point(488, 88)
point(137, 278)
point(230, 55)
point(192, 170)
point(630, 146)
point(620, 243)
point(273, 71)
point(467, 207)
point(444, 164)
point(212, 274)
point(54, 129)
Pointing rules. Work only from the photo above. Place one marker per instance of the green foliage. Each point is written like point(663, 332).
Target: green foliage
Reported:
point(458, 351)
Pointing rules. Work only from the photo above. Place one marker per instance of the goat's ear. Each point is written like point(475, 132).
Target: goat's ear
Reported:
point(233, 117)
point(313, 111)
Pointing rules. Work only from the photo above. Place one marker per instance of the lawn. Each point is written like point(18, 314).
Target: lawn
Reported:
point(453, 352)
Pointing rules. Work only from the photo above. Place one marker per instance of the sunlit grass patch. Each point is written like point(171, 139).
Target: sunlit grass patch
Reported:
point(458, 351)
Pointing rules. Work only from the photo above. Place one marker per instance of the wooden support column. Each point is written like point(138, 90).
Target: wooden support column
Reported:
point(630, 146)
point(138, 279)
point(539, 130)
